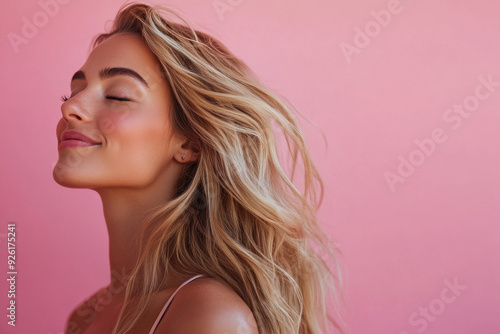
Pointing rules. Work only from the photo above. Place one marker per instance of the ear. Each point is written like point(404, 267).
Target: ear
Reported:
point(187, 153)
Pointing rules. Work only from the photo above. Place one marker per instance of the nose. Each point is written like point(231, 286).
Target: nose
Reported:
point(73, 110)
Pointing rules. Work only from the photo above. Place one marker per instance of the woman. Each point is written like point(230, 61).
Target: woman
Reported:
point(176, 136)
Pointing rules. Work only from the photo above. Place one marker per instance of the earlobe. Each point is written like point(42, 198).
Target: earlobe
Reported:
point(190, 152)
point(189, 156)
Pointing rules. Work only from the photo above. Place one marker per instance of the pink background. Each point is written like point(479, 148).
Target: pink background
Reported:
point(402, 246)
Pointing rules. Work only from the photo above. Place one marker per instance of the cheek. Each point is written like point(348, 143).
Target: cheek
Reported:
point(137, 138)
point(114, 120)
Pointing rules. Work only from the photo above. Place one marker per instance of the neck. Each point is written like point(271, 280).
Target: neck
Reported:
point(125, 209)
point(124, 212)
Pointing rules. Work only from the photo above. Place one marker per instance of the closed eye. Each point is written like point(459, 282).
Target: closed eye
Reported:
point(117, 98)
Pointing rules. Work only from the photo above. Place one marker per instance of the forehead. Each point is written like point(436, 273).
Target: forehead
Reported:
point(125, 50)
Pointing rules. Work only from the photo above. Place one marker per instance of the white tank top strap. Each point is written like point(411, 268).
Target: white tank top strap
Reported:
point(164, 309)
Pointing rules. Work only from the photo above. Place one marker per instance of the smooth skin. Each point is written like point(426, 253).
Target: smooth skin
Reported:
point(134, 169)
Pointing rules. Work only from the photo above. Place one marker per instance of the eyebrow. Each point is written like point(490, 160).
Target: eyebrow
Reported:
point(109, 72)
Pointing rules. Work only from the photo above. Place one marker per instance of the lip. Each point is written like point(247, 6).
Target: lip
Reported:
point(71, 138)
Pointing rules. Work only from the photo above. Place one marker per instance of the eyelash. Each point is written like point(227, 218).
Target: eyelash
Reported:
point(65, 98)
point(117, 98)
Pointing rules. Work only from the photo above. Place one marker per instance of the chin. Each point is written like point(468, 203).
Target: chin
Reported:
point(65, 181)
point(68, 179)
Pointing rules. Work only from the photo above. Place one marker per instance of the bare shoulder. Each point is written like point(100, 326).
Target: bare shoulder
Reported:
point(207, 304)
point(81, 316)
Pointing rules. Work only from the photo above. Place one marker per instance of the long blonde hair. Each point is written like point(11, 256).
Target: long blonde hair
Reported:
point(236, 215)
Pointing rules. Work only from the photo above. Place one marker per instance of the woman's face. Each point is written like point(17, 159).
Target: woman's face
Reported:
point(121, 101)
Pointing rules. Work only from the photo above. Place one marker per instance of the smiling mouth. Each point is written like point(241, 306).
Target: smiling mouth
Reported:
point(73, 139)
point(74, 143)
